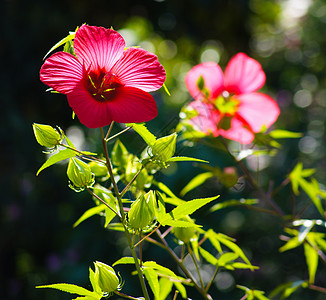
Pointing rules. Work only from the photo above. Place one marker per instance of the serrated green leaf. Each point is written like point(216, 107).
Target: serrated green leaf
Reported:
point(233, 202)
point(185, 158)
point(311, 255)
point(89, 213)
point(196, 181)
point(259, 295)
point(283, 134)
point(142, 130)
point(211, 235)
point(189, 207)
point(69, 37)
point(69, 288)
point(60, 156)
point(152, 278)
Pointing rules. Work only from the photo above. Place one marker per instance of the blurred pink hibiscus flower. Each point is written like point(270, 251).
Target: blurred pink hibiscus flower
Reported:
point(105, 82)
point(228, 104)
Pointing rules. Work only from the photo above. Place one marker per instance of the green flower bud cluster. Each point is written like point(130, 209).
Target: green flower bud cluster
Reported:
point(106, 278)
point(48, 136)
point(79, 174)
point(142, 213)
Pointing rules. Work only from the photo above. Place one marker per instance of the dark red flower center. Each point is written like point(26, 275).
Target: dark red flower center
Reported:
point(103, 85)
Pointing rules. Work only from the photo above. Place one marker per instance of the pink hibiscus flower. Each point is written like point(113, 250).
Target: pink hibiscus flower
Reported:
point(105, 82)
point(228, 104)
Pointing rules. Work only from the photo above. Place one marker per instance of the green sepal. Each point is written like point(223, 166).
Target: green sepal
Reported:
point(283, 134)
point(164, 148)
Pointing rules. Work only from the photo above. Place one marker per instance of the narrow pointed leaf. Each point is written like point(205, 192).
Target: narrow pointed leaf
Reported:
point(69, 288)
point(185, 158)
point(142, 130)
point(124, 261)
point(195, 182)
point(311, 255)
point(152, 278)
point(89, 213)
point(283, 134)
point(60, 156)
point(69, 37)
point(165, 288)
point(189, 207)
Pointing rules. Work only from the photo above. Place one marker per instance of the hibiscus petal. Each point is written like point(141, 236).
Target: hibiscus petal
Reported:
point(130, 105)
point(62, 72)
point(258, 110)
point(139, 68)
point(207, 119)
point(213, 80)
point(243, 75)
point(98, 47)
point(238, 132)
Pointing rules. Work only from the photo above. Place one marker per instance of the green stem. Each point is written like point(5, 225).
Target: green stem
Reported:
point(212, 279)
point(203, 292)
point(196, 265)
point(114, 136)
point(127, 296)
point(119, 199)
point(92, 158)
point(100, 199)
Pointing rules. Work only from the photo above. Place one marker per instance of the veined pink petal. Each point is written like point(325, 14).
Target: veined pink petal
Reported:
point(98, 47)
point(207, 119)
point(139, 68)
point(258, 110)
point(62, 72)
point(213, 80)
point(238, 132)
point(130, 105)
point(243, 75)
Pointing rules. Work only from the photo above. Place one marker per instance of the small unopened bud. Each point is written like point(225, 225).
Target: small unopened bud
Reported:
point(98, 168)
point(141, 212)
point(79, 174)
point(185, 234)
point(47, 136)
point(164, 147)
point(106, 278)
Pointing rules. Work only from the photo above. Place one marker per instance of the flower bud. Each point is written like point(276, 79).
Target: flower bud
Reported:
point(106, 278)
point(164, 147)
point(98, 168)
point(141, 212)
point(47, 136)
point(185, 234)
point(79, 174)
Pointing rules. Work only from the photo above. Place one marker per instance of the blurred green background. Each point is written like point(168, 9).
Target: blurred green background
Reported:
point(38, 244)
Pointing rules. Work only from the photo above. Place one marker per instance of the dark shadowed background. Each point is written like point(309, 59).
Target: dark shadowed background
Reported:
point(38, 244)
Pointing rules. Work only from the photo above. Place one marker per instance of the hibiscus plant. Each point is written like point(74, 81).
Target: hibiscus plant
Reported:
point(107, 86)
